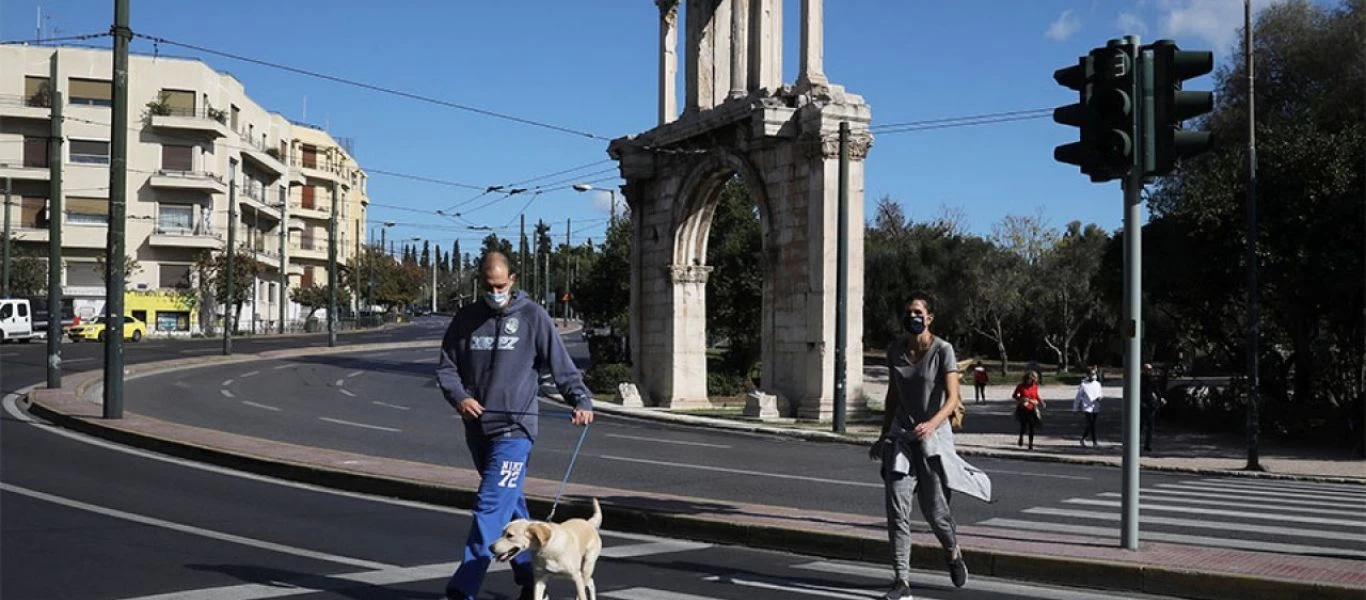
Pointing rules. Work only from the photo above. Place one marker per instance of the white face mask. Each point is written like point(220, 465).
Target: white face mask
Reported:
point(497, 300)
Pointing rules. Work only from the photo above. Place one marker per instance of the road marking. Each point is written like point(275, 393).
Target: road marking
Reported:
point(347, 392)
point(640, 593)
point(226, 393)
point(664, 441)
point(227, 382)
point(1271, 496)
point(1230, 504)
point(793, 587)
point(353, 424)
point(354, 374)
point(744, 472)
point(1200, 524)
point(1221, 496)
point(376, 355)
point(1190, 510)
point(389, 405)
point(1308, 486)
point(265, 406)
point(198, 350)
point(9, 354)
point(311, 584)
point(652, 548)
point(282, 367)
point(340, 382)
point(1031, 474)
point(990, 585)
point(1175, 538)
point(192, 530)
point(67, 361)
point(249, 374)
point(1239, 488)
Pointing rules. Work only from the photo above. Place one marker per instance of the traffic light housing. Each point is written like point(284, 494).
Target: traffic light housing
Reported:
point(1171, 105)
point(1104, 80)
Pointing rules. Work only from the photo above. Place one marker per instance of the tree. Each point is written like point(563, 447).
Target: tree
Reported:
point(426, 261)
point(603, 295)
point(1027, 236)
point(27, 271)
point(735, 286)
point(392, 283)
point(313, 297)
point(1311, 145)
point(995, 285)
point(131, 267)
point(1066, 294)
point(212, 269)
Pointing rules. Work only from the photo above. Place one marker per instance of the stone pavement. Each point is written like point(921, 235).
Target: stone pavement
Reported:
point(1158, 568)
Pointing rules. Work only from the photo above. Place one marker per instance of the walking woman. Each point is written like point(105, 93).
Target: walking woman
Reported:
point(916, 445)
point(1088, 402)
point(1028, 407)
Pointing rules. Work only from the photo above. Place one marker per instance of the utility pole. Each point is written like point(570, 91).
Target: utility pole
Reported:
point(4, 291)
point(332, 271)
point(842, 281)
point(284, 260)
point(54, 238)
point(1253, 309)
point(118, 199)
point(567, 253)
point(230, 270)
point(435, 250)
point(521, 248)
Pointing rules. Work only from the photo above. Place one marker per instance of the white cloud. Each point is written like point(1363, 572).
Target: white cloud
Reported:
point(602, 201)
point(1067, 24)
point(1131, 23)
point(1213, 21)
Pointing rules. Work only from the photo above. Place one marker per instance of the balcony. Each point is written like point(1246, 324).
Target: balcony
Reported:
point(19, 106)
point(210, 122)
point(253, 197)
point(320, 168)
point(319, 210)
point(296, 225)
point(310, 249)
point(188, 180)
point(22, 172)
point(172, 235)
point(265, 157)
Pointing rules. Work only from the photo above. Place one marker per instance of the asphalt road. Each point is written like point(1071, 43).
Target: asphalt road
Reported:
point(91, 520)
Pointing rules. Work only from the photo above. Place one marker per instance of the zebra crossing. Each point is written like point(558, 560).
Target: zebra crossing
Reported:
point(1287, 517)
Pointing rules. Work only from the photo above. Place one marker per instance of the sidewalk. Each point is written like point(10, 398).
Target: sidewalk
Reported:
point(1157, 568)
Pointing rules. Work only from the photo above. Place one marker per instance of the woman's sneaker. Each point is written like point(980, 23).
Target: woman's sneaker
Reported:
point(900, 591)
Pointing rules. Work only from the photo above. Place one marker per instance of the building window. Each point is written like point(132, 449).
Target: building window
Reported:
point(33, 213)
point(308, 196)
point(83, 274)
point(174, 277)
point(310, 157)
point(177, 158)
point(180, 103)
point(87, 211)
point(307, 279)
point(233, 119)
point(90, 152)
point(175, 219)
point(173, 320)
point(37, 92)
point(90, 92)
point(35, 151)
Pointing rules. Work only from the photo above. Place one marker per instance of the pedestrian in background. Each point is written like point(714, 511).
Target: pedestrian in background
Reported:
point(916, 445)
point(980, 379)
point(488, 371)
point(1150, 401)
point(1028, 407)
point(1088, 402)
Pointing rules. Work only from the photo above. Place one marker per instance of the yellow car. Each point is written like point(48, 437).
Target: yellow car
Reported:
point(93, 330)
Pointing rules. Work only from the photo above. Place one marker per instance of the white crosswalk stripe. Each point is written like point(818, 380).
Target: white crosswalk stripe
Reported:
point(1262, 515)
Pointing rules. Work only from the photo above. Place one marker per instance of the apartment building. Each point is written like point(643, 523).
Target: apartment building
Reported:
point(194, 134)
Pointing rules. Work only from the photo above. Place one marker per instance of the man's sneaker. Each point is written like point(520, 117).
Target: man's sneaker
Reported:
point(958, 570)
point(900, 591)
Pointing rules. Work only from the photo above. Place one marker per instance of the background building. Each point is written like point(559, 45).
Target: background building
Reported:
point(194, 130)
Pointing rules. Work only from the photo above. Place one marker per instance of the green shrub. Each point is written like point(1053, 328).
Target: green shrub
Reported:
point(725, 384)
point(603, 378)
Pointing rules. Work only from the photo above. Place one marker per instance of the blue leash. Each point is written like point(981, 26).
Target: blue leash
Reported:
point(565, 482)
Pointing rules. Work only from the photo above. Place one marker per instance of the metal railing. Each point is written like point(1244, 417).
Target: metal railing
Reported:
point(162, 110)
point(39, 100)
point(189, 174)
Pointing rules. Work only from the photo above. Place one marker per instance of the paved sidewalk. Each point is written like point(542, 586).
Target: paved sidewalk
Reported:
point(1158, 568)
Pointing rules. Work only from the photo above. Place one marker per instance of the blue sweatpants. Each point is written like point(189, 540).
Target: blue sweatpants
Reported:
point(502, 464)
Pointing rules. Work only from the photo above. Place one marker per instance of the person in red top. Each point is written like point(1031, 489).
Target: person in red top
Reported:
point(980, 379)
point(1027, 406)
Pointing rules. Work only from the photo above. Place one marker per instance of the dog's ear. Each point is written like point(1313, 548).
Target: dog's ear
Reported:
point(539, 532)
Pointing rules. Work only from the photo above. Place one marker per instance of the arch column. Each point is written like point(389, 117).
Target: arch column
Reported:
point(687, 378)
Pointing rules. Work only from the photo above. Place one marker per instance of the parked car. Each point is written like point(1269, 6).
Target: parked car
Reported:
point(16, 321)
point(93, 330)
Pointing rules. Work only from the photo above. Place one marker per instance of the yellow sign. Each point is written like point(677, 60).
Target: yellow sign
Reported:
point(163, 310)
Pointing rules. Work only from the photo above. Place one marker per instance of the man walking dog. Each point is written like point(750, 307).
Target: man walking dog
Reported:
point(489, 371)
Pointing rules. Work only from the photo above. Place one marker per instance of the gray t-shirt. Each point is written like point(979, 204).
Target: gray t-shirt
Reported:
point(921, 385)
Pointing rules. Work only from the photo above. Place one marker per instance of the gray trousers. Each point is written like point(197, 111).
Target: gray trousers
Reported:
point(927, 483)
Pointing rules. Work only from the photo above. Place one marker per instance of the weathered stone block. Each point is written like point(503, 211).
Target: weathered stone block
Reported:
point(762, 406)
point(628, 396)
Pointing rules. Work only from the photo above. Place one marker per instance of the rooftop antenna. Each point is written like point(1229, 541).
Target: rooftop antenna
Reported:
point(38, 25)
point(305, 117)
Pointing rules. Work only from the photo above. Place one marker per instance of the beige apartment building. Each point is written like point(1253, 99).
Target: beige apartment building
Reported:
point(193, 132)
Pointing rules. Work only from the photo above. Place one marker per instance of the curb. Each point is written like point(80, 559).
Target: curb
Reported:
point(1102, 574)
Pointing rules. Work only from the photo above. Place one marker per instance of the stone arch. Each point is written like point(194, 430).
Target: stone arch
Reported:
point(698, 194)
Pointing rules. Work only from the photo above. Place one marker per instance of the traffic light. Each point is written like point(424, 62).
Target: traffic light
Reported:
point(1170, 67)
point(1078, 78)
point(1113, 103)
point(1104, 80)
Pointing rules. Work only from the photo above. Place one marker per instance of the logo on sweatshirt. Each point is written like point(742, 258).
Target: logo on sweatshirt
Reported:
point(485, 342)
point(510, 326)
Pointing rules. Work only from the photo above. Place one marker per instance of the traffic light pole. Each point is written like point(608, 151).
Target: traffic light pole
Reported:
point(1133, 312)
point(54, 240)
point(115, 257)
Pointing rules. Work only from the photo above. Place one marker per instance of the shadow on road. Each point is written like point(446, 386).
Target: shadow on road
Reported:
point(334, 586)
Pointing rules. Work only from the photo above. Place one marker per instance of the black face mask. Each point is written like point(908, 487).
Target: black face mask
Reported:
point(914, 324)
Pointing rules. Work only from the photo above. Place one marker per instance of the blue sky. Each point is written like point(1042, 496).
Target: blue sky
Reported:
point(590, 65)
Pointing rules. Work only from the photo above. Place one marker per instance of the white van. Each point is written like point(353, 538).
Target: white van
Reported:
point(16, 321)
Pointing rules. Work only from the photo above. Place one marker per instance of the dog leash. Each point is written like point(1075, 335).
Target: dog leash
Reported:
point(565, 482)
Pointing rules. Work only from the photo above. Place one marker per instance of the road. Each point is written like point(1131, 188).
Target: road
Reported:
point(387, 404)
point(87, 519)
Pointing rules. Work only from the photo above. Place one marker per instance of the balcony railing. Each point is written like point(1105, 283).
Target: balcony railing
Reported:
point(177, 228)
point(162, 110)
point(40, 100)
point(317, 206)
point(189, 174)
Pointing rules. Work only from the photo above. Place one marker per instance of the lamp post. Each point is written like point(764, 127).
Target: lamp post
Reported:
point(432, 259)
point(584, 187)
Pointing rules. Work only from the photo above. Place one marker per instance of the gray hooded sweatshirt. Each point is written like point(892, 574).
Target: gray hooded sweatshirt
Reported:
point(506, 381)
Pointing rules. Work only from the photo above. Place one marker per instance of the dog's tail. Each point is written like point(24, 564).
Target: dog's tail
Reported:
point(596, 519)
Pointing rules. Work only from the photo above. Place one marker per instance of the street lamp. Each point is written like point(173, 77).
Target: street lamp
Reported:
point(431, 259)
point(584, 187)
